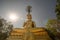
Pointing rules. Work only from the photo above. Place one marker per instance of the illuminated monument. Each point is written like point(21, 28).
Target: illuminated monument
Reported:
point(29, 30)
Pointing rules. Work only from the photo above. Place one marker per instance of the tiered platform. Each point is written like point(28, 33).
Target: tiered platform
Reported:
point(39, 34)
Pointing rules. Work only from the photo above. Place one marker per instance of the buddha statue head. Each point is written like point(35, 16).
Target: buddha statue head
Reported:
point(29, 17)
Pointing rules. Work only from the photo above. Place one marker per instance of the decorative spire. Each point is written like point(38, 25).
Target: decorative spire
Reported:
point(29, 9)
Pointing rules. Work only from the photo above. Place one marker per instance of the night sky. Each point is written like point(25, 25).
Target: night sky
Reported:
point(42, 11)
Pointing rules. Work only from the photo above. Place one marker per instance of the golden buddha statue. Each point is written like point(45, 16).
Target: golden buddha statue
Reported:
point(29, 23)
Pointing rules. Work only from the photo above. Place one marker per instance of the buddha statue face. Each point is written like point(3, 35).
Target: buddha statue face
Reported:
point(29, 17)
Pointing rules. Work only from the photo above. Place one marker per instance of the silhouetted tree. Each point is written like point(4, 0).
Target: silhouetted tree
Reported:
point(51, 28)
point(58, 9)
point(5, 29)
